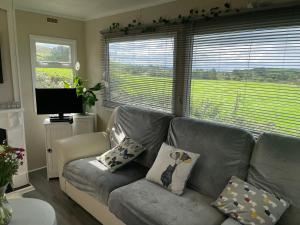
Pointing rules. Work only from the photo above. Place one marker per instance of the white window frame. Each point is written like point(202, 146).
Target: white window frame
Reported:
point(51, 40)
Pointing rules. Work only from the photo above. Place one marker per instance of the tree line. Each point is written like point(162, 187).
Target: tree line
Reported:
point(272, 75)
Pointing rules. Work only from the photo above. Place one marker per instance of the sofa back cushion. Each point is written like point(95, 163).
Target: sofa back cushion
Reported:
point(275, 167)
point(148, 128)
point(225, 152)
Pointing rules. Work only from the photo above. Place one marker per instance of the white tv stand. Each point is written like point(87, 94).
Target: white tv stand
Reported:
point(58, 130)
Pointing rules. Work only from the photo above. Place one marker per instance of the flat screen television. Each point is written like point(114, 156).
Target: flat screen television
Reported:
point(57, 101)
point(1, 72)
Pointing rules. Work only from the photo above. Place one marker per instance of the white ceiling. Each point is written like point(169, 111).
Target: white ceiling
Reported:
point(84, 9)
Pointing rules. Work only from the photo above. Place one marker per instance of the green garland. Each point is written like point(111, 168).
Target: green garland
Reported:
point(194, 14)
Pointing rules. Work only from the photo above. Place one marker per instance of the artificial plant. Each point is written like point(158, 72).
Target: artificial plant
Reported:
point(194, 15)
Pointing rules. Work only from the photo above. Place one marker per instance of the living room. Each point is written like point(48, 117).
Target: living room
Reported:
point(149, 112)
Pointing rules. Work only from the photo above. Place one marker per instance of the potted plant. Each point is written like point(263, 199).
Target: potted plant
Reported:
point(10, 159)
point(89, 98)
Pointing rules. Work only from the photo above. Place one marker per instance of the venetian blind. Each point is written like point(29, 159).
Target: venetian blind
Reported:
point(242, 70)
point(246, 72)
point(140, 71)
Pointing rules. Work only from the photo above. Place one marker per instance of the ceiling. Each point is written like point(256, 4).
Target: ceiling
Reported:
point(84, 9)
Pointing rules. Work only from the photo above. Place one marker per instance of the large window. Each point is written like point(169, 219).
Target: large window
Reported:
point(140, 71)
point(249, 79)
point(242, 72)
point(52, 61)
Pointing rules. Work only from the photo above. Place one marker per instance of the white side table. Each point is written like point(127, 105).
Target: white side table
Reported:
point(30, 211)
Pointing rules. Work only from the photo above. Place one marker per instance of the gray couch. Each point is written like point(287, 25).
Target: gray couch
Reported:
point(271, 163)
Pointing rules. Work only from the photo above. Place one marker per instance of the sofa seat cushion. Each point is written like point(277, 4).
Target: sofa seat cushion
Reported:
point(231, 221)
point(275, 166)
point(143, 202)
point(91, 176)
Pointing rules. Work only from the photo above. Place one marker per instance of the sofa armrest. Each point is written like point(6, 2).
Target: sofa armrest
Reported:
point(80, 146)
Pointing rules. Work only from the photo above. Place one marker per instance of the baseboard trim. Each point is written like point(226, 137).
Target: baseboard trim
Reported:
point(34, 170)
point(20, 192)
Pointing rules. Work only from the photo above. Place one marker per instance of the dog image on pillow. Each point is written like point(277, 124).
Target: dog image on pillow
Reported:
point(179, 157)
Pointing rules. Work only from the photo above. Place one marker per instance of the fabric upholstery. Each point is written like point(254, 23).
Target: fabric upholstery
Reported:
point(149, 128)
point(275, 167)
point(231, 221)
point(91, 176)
point(172, 168)
point(225, 151)
point(146, 203)
point(250, 205)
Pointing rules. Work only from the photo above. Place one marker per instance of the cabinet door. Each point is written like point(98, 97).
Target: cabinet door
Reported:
point(55, 132)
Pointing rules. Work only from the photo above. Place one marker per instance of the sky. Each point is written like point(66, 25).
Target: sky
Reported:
point(268, 48)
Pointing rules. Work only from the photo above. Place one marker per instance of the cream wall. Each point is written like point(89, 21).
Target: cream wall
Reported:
point(169, 10)
point(36, 24)
point(6, 88)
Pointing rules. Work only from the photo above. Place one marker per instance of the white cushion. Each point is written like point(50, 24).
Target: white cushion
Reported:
point(172, 168)
point(121, 154)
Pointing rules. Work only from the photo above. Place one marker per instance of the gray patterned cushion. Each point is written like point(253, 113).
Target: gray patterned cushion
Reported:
point(249, 205)
point(121, 154)
point(172, 168)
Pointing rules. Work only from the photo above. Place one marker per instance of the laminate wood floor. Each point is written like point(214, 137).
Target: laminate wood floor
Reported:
point(67, 211)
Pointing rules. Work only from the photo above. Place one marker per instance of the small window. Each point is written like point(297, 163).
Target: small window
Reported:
point(53, 61)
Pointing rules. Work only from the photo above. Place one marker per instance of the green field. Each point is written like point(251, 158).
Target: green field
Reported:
point(246, 104)
point(239, 103)
point(53, 77)
point(268, 102)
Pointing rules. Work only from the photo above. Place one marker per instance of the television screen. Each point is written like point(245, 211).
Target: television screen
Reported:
point(1, 73)
point(57, 101)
